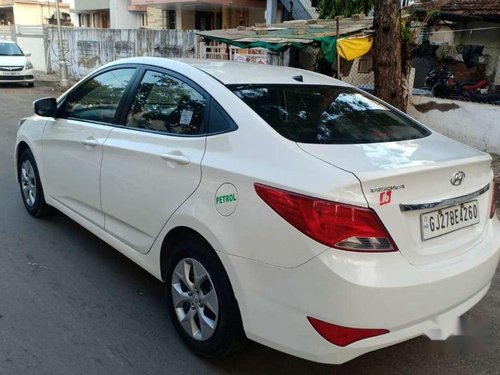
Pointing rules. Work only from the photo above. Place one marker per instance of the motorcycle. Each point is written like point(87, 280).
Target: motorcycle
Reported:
point(447, 85)
point(442, 83)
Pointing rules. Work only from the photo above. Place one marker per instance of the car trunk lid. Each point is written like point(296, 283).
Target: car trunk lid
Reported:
point(405, 181)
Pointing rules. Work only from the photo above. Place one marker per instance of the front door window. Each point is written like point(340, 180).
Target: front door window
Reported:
point(98, 98)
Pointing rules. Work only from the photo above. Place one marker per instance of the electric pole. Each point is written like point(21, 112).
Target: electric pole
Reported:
point(63, 67)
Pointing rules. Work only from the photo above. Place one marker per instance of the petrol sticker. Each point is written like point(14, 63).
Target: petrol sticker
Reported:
point(385, 197)
point(226, 199)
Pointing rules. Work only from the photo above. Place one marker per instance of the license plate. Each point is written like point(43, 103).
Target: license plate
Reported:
point(446, 220)
point(6, 73)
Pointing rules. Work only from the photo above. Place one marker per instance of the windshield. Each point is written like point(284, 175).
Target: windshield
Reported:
point(327, 114)
point(10, 49)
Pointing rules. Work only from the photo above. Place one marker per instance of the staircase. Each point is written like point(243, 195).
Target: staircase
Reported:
point(299, 10)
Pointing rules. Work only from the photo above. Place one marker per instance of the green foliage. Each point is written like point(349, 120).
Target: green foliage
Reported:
point(328, 9)
point(432, 15)
point(408, 34)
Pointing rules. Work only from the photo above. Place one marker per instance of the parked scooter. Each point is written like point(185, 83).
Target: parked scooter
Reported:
point(443, 85)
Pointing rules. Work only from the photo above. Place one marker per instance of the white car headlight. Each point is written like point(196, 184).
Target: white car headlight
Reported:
point(29, 65)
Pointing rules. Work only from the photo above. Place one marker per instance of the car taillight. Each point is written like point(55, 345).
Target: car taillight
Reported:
point(493, 200)
point(343, 336)
point(333, 224)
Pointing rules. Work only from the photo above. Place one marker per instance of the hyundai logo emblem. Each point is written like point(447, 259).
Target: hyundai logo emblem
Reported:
point(457, 178)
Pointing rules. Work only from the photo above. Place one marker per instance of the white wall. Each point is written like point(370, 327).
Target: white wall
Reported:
point(121, 17)
point(440, 34)
point(474, 124)
point(89, 48)
point(80, 5)
point(34, 45)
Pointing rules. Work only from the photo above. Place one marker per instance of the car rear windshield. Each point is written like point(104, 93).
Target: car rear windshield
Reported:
point(327, 114)
point(10, 49)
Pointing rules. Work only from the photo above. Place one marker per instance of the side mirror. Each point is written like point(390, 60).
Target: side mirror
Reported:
point(27, 54)
point(45, 107)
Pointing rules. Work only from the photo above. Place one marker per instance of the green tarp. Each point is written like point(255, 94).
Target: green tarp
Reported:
point(275, 47)
point(279, 40)
point(328, 45)
point(279, 37)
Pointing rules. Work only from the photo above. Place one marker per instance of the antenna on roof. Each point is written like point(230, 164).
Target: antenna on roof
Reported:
point(298, 78)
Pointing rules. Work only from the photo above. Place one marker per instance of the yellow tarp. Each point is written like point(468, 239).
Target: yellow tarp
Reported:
point(352, 48)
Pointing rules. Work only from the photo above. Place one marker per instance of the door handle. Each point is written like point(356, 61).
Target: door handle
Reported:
point(90, 142)
point(177, 158)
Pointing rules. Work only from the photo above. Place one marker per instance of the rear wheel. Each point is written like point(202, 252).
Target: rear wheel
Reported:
point(31, 84)
point(31, 186)
point(200, 300)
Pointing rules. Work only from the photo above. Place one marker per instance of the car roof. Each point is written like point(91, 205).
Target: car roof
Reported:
point(230, 72)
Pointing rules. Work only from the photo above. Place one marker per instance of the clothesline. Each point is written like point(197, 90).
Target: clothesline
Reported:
point(471, 30)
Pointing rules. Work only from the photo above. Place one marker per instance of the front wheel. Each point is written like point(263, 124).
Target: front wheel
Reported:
point(31, 186)
point(200, 300)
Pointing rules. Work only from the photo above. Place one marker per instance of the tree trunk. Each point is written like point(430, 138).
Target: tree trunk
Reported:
point(406, 61)
point(387, 53)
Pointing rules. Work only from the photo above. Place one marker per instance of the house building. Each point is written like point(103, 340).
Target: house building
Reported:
point(104, 14)
point(33, 12)
point(186, 14)
point(6, 12)
point(91, 13)
point(199, 14)
point(300, 9)
point(463, 24)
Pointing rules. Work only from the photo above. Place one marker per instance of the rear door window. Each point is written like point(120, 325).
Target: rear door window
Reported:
point(165, 104)
point(327, 114)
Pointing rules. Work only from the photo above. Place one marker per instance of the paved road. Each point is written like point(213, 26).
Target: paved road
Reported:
point(70, 304)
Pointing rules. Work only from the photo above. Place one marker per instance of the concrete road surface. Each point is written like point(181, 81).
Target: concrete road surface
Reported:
point(70, 304)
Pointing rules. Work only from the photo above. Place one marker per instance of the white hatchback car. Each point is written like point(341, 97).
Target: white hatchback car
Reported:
point(14, 64)
point(274, 203)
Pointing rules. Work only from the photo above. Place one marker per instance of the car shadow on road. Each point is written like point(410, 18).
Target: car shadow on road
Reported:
point(418, 354)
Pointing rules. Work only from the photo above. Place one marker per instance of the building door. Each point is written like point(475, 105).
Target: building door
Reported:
point(204, 21)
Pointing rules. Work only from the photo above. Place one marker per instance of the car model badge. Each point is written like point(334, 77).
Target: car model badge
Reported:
point(457, 178)
point(385, 197)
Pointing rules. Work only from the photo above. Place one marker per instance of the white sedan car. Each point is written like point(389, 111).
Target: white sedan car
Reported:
point(14, 64)
point(274, 203)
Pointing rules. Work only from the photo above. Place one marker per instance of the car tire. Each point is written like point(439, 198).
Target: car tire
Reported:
point(217, 330)
point(31, 185)
point(31, 84)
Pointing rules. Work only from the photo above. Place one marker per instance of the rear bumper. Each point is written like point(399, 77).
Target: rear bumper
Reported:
point(359, 291)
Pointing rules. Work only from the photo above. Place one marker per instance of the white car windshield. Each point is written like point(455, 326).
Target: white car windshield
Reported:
point(10, 49)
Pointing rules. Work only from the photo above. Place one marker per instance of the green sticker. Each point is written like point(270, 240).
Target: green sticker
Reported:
point(225, 198)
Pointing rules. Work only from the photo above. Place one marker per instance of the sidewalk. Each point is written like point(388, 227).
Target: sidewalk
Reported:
point(49, 80)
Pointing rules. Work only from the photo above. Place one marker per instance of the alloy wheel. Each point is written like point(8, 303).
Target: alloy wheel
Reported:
point(28, 183)
point(195, 299)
